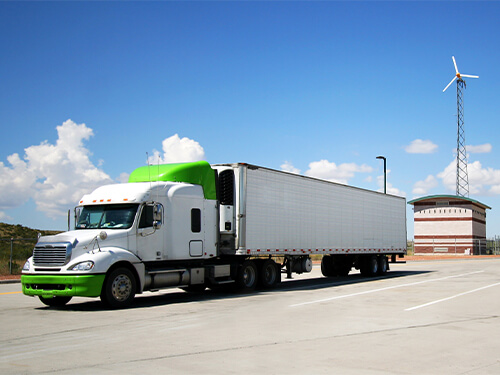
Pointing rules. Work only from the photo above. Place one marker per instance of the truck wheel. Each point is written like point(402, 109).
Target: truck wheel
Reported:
point(382, 265)
point(372, 265)
point(327, 268)
point(269, 273)
point(247, 275)
point(369, 265)
point(119, 288)
point(55, 301)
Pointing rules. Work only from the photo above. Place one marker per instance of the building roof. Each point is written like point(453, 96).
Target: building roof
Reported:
point(454, 197)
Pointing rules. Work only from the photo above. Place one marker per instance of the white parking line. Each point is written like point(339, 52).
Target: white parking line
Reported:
point(383, 289)
point(448, 298)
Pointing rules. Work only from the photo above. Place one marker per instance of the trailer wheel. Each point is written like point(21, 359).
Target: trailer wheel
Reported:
point(247, 275)
point(372, 265)
point(119, 288)
point(55, 301)
point(383, 265)
point(269, 274)
point(327, 267)
point(369, 265)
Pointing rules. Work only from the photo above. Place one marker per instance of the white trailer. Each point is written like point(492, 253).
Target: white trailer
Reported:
point(279, 213)
point(193, 225)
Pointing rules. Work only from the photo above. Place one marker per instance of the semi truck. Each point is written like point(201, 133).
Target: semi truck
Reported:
point(195, 225)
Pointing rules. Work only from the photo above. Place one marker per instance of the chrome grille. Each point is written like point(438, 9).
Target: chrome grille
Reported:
point(56, 254)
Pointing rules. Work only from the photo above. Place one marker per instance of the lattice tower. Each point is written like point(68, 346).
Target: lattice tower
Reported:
point(462, 175)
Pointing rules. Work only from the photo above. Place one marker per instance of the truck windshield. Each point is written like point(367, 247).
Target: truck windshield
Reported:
point(109, 216)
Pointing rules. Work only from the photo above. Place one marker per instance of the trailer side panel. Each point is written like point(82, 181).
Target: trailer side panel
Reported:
point(292, 214)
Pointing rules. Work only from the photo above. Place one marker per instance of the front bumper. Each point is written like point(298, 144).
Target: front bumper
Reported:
point(62, 285)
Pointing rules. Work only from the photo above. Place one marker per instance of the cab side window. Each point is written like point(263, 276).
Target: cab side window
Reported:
point(195, 220)
point(146, 219)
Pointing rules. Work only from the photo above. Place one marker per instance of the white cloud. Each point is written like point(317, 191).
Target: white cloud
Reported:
point(482, 181)
point(419, 146)
point(422, 187)
point(123, 177)
point(288, 167)
point(479, 149)
point(4, 217)
point(337, 173)
point(54, 176)
point(448, 176)
point(178, 150)
point(389, 188)
point(16, 182)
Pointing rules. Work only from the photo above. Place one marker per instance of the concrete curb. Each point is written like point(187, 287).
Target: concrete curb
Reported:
point(10, 281)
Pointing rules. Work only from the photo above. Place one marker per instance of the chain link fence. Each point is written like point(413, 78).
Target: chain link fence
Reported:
point(455, 246)
point(13, 253)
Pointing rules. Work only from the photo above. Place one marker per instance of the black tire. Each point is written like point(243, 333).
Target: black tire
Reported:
point(269, 274)
point(372, 265)
point(119, 288)
point(55, 301)
point(369, 265)
point(327, 266)
point(247, 276)
point(383, 265)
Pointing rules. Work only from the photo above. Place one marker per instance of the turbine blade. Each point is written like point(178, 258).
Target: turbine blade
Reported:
point(468, 76)
point(453, 80)
point(455, 63)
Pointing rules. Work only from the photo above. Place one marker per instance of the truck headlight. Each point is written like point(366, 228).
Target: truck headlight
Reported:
point(83, 266)
point(26, 266)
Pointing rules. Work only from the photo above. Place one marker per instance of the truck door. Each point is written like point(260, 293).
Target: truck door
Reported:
point(150, 232)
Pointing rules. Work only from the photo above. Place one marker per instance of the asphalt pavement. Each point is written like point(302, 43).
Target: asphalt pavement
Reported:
point(422, 318)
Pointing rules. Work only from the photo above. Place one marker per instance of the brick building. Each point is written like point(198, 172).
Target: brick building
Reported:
point(449, 224)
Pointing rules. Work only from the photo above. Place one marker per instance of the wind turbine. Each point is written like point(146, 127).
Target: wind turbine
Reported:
point(462, 176)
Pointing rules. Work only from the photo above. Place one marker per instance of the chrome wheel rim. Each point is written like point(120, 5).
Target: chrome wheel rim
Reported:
point(249, 276)
point(121, 287)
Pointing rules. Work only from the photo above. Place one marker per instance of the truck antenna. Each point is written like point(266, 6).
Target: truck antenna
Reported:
point(149, 169)
point(158, 179)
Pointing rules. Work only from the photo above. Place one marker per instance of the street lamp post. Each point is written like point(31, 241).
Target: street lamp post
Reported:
point(385, 172)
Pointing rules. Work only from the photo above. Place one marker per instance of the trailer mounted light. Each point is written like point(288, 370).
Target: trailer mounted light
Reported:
point(83, 266)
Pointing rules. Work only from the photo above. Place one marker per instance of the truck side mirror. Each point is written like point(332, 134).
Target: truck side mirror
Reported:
point(157, 215)
point(77, 215)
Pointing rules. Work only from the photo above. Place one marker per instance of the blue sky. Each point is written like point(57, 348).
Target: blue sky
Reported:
point(320, 88)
